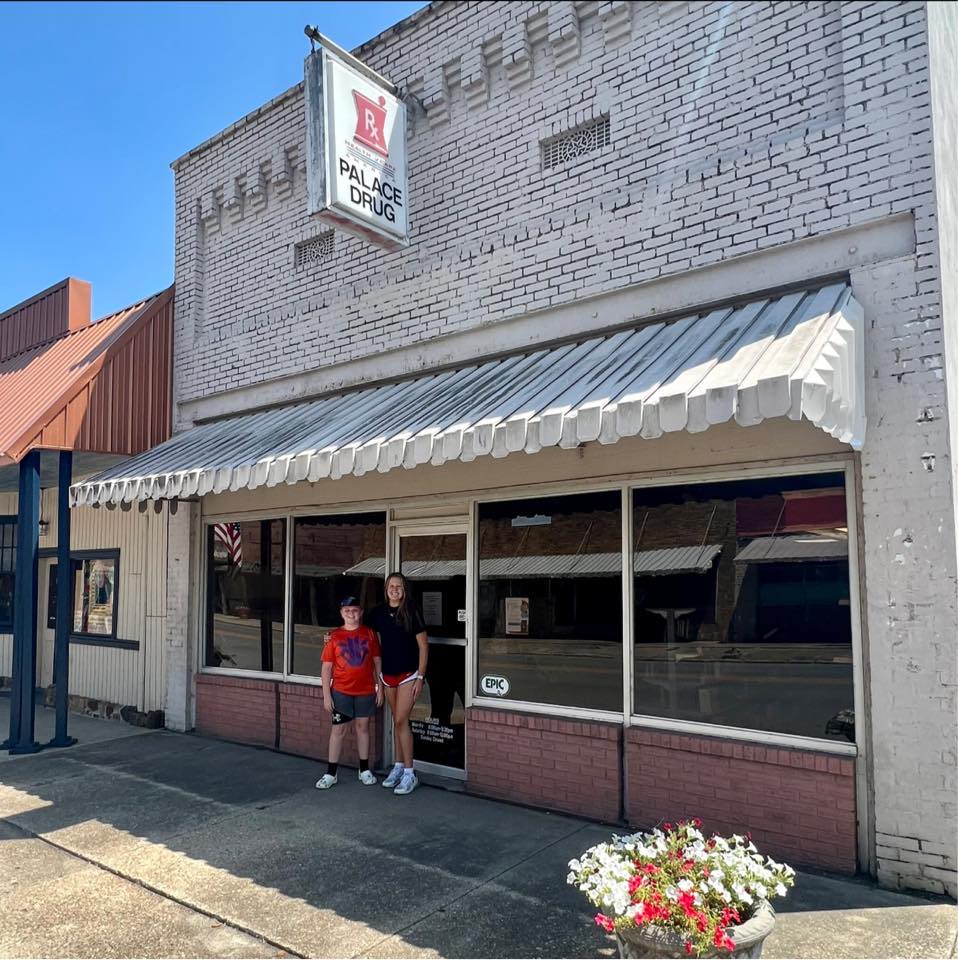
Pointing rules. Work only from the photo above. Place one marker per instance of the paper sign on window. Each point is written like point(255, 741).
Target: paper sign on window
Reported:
point(517, 616)
point(432, 607)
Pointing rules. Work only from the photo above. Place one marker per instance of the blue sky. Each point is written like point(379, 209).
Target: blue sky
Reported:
point(97, 99)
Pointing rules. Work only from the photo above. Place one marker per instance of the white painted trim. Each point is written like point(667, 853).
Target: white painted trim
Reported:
point(745, 734)
point(863, 805)
point(548, 710)
point(301, 678)
point(628, 617)
point(241, 674)
point(288, 597)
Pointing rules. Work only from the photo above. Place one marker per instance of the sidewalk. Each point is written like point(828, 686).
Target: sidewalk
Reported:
point(243, 857)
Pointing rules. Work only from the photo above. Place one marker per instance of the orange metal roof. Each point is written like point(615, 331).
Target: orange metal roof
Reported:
point(102, 388)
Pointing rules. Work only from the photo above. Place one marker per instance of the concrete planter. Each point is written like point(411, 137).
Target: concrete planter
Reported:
point(658, 942)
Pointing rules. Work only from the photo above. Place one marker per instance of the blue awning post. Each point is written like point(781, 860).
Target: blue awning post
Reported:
point(61, 651)
point(25, 608)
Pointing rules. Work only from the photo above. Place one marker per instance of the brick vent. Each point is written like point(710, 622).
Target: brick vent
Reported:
point(584, 139)
point(318, 249)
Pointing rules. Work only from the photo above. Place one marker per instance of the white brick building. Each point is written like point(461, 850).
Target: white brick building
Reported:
point(578, 168)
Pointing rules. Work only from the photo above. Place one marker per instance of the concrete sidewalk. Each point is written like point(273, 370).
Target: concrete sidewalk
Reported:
point(182, 846)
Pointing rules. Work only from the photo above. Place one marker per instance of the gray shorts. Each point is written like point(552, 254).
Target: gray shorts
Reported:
point(347, 707)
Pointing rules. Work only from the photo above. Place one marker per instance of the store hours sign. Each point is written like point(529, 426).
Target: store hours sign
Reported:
point(355, 148)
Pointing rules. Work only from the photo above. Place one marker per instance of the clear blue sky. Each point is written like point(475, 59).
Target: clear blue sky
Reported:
point(97, 99)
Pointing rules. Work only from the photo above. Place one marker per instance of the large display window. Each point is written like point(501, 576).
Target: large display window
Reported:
point(742, 605)
point(246, 589)
point(333, 557)
point(550, 600)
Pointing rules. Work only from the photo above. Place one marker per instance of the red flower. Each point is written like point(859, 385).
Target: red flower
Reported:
point(666, 826)
point(688, 947)
point(605, 922)
point(696, 822)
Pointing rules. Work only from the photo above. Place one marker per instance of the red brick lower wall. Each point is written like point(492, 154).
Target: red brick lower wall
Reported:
point(560, 764)
point(236, 709)
point(799, 806)
point(305, 726)
point(287, 716)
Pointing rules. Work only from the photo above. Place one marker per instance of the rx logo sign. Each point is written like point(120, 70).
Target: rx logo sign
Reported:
point(494, 686)
point(371, 123)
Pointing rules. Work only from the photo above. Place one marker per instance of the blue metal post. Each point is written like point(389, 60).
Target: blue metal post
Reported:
point(61, 652)
point(25, 608)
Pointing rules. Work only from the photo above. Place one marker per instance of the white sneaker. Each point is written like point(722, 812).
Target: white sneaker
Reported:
point(367, 777)
point(326, 781)
point(408, 783)
point(395, 775)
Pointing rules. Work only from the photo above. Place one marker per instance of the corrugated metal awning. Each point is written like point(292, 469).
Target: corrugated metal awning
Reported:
point(801, 546)
point(798, 355)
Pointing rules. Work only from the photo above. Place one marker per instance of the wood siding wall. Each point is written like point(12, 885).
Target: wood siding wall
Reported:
point(134, 677)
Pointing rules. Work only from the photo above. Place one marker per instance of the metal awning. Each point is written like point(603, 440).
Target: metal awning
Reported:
point(797, 355)
point(800, 546)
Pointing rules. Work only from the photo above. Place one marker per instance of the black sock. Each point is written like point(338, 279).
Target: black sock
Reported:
point(363, 764)
point(332, 768)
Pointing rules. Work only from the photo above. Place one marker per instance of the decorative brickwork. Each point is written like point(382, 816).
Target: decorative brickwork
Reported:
point(799, 806)
point(559, 764)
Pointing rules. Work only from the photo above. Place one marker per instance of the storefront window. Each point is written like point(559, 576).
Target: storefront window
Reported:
point(742, 605)
point(550, 600)
point(333, 557)
point(245, 595)
point(94, 596)
point(8, 565)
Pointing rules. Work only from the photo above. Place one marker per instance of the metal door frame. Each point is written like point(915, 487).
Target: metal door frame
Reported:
point(396, 530)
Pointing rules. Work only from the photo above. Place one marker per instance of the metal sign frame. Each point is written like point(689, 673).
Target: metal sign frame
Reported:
point(320, 151)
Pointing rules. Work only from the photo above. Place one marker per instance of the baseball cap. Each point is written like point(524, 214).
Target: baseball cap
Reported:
point(350, 602)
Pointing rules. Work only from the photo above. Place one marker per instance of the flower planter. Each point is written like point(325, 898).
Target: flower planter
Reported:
point(652, 941)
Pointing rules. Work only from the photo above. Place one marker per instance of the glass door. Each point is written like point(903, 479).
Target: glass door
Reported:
point(435, 566)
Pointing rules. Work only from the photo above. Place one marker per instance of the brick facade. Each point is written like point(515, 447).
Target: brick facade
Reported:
point(738, 132)
point(798, 805)
point(568, 765)
point(269, 713)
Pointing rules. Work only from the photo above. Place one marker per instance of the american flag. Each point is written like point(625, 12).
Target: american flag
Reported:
point(229, 536)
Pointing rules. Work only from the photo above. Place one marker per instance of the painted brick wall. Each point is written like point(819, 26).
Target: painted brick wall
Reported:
point(736, 128)
point(799, 806)
point(567, 765)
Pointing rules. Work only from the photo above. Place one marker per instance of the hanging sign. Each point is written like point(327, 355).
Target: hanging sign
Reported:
point(355, 148)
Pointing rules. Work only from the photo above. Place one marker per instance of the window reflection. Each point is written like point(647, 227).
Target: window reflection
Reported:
point(550, 600)
point(245, 595)
point(742, 610)
point(333, 556)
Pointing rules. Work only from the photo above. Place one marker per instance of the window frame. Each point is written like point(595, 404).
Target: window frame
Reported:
point(77, 558)
point(534, 706)
point(10, 520)
point(206, 579)
point(845, 463)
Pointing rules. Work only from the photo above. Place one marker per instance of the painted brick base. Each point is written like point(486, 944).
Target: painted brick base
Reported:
point(286, 716)
point(799, 806)
point(560, 764)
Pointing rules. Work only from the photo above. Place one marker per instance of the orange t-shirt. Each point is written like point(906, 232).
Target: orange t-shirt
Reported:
point(351, 653)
